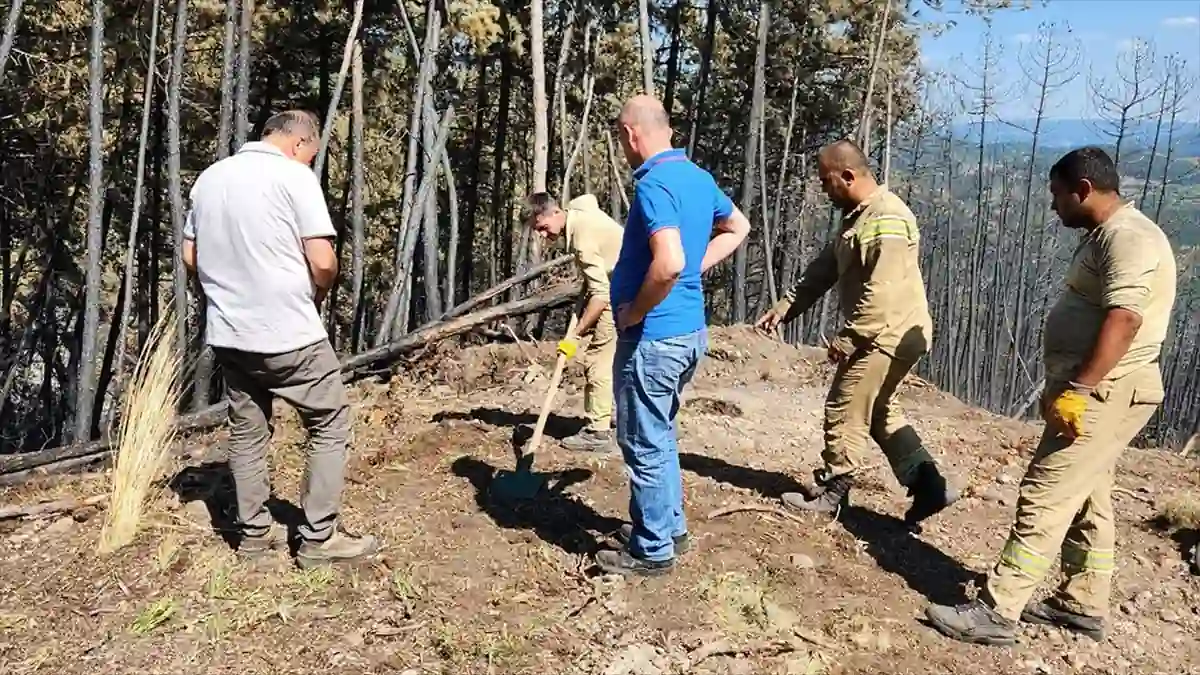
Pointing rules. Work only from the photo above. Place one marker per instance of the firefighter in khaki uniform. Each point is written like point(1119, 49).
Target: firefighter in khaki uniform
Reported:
point(1102, 345)
point(875, 263)
point(594, 239)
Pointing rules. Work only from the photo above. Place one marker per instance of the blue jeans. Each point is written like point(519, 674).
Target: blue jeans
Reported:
point(648, 378)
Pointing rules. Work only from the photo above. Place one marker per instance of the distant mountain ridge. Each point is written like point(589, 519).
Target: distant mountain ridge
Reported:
point(1070, 133)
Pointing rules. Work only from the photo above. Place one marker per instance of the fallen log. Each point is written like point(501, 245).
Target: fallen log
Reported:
point(556, 297)
point(472, 303)
point(70, 456)
point(44, 508)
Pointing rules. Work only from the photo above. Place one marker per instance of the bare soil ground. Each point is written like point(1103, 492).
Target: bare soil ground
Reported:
point(466, 585)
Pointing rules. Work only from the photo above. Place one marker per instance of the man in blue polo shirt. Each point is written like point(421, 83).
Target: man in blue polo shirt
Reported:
point(661, 333)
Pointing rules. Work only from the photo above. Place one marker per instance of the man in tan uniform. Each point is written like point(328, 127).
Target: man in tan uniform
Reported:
point(874, 261)
point(1101, 351)
point(594, 239)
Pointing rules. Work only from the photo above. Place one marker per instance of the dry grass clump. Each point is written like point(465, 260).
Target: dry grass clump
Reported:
point(1179, 511)
point(146, 434)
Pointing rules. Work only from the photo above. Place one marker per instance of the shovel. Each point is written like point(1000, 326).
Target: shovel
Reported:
point(522, 483)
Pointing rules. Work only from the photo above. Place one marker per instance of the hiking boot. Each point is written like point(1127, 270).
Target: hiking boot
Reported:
point(833, 494)
point(339, 547)
point(930, 494)
point(972, 622)
point(257, 546)
point(1049, 613)
point(590, 440)
point(623, 563)
point(682, 542)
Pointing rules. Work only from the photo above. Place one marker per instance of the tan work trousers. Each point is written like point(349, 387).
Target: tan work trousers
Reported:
point(861, 405)
point(1065, 502)
point(598, 375)
point(310, 380)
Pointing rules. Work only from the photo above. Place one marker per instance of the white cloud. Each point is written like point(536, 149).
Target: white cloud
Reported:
point(1182, 22)
point(1023, 38)
point(1126, 45)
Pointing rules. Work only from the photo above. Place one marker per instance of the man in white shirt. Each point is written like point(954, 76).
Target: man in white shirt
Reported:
point(259, 238)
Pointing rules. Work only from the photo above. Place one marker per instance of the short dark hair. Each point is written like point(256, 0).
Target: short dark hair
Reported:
point(538, 204)
point(1091, 163)
point(300, 123)
point(845, 154)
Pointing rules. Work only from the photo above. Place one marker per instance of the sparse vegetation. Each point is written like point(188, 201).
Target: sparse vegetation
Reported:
point(1179, 511)
point(475, 588)
point(147, 435)
point(153, 616)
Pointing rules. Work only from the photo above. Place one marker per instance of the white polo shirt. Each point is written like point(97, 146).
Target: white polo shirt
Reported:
point(250, 214)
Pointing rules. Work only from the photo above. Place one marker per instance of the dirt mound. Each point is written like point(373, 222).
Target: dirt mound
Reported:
point(712, 406)
point(468, 584)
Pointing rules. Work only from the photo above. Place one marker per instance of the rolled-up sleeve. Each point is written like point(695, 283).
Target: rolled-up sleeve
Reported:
point(1127, 268)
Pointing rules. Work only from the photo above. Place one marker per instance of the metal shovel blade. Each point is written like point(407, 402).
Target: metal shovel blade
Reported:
point(519, 484)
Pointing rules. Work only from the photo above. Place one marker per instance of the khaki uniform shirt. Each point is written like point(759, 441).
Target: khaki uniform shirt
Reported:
point(875, 262)
point(594, 239)
point(1126, 262)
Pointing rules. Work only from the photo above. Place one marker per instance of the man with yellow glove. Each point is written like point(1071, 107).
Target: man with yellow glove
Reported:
point(594, 239)
point(874, 261)
point(1103, 339)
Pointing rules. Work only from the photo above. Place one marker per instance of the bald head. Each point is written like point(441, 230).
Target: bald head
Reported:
point(845, 174)
point(844, 155)
point(645, 129)
point(645, 112)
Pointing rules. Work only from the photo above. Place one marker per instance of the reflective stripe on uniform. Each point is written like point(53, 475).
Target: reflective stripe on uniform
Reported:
point(884, 227)
point(1024, 560)
point(1076, 558)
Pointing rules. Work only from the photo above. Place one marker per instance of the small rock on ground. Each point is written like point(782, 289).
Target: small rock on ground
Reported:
point(636, 659)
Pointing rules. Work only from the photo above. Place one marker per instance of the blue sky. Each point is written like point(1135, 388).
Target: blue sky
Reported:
point(1103, 29)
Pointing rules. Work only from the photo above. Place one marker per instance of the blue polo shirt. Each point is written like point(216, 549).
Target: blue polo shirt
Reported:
point(670, 191)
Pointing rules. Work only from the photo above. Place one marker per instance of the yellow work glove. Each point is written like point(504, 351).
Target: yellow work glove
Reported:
point(1066, 413)
point(567, 347)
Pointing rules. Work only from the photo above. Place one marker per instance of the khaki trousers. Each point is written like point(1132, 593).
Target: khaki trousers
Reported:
point(1065, 504)
point(861, 405)
point(310, 380)
point(598, 374)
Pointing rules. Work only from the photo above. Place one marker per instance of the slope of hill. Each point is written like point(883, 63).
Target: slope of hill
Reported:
point(466, 586)
point(1072, 133)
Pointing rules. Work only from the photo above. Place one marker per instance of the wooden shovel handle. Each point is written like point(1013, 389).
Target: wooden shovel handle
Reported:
point(536, 440)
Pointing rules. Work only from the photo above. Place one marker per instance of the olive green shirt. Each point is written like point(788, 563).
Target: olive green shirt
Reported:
point(594, 239)
point(875, 262)
point(1125, 262)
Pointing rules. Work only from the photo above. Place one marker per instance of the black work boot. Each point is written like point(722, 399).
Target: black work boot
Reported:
point(972, 622)
point(623, 563)
point(590, 440)
point(682, 542)
point(831, 495)
point(1050, 613)
point(930, 494)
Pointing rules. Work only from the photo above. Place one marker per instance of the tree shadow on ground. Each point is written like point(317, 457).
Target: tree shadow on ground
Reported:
point(212, 484)
point(769, 484)
point(557, 426)
point(556, 517)
point(925, 568)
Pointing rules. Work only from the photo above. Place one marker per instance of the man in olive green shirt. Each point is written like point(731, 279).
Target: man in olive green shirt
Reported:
point(594, 239)
point(874, 262)
point(1103, 338)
